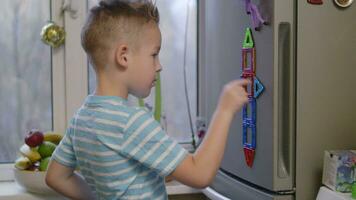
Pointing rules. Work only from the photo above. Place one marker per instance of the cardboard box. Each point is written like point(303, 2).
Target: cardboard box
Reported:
point(339, 171)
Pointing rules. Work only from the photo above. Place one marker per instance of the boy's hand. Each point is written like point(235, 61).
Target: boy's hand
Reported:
point(233, 96)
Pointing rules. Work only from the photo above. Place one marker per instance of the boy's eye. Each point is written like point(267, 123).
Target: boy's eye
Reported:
point(155, 54)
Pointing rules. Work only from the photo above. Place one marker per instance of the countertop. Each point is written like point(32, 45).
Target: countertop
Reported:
point(12, 191)
point(327, 194)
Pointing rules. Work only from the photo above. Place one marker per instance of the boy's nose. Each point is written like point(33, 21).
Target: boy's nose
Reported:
point(159, 68)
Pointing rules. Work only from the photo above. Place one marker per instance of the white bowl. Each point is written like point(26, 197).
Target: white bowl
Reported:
point(33, 181)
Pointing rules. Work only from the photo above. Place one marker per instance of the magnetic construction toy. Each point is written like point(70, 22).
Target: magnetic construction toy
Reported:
point(254, 90)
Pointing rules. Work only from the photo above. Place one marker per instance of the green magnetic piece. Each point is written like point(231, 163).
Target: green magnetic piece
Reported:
point(158, 99)
point(353, 191)
point(141, 103)
point(248, 41)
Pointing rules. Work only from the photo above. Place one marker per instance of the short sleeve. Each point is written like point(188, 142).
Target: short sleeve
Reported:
point(146, 142)
point(64, 153)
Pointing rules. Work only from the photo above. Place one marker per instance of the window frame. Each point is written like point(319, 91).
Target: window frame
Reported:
point(69, 77)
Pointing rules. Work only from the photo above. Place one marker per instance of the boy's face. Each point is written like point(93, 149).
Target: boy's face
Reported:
point(144, 62)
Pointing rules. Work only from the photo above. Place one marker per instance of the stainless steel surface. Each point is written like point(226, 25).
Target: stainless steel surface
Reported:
point(326, 97)
point(306, 59)
point(225, 23)
point(220, 62)
point(224, 186)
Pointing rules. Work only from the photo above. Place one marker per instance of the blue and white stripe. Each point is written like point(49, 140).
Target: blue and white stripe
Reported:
point(121, 151)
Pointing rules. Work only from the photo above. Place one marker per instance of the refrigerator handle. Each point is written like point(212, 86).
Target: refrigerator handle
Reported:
point(286, 100)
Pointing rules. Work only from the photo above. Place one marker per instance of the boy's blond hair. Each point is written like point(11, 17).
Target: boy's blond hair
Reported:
point(114, 20)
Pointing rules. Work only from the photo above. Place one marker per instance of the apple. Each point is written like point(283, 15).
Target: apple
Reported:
point(34, 138)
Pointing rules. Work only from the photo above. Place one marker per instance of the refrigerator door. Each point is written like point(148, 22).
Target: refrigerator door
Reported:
point(326, 96)
point(222, 30)
point(238, 190)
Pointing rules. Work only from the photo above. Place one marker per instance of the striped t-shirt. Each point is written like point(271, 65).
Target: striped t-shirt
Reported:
point(121, 151)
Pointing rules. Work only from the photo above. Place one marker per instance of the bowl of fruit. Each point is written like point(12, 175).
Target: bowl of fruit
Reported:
point(30, 167)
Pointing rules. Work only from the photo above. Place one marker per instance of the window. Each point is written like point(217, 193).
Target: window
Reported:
point(175, 55)
point(25, 78)
point(32, 76)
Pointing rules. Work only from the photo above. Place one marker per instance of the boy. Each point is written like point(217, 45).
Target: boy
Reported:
point(121, 151)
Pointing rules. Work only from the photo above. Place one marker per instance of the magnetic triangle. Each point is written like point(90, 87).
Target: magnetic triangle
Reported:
point(248, 41)
point(249, 156)
point(258, 88)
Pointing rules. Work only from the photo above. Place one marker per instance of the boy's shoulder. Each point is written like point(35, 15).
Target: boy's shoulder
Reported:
point(109, 109)
point(112, 105)
point(133, 112)
point(136, 110)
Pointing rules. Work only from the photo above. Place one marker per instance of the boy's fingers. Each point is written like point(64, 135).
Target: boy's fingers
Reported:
point(242, 82)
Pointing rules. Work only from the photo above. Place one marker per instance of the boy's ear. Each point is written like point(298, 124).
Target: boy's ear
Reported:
point(121, 55)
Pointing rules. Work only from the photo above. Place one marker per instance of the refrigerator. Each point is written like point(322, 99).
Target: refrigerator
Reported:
point(305, 58)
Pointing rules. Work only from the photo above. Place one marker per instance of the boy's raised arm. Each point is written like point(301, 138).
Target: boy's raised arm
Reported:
point(199, 170)
point(64, 180)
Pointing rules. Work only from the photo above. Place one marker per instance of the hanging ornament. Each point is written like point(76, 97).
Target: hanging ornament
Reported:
point(53, 35)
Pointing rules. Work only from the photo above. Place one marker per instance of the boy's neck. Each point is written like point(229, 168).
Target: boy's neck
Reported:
point(106, 87)
point(100, 92)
